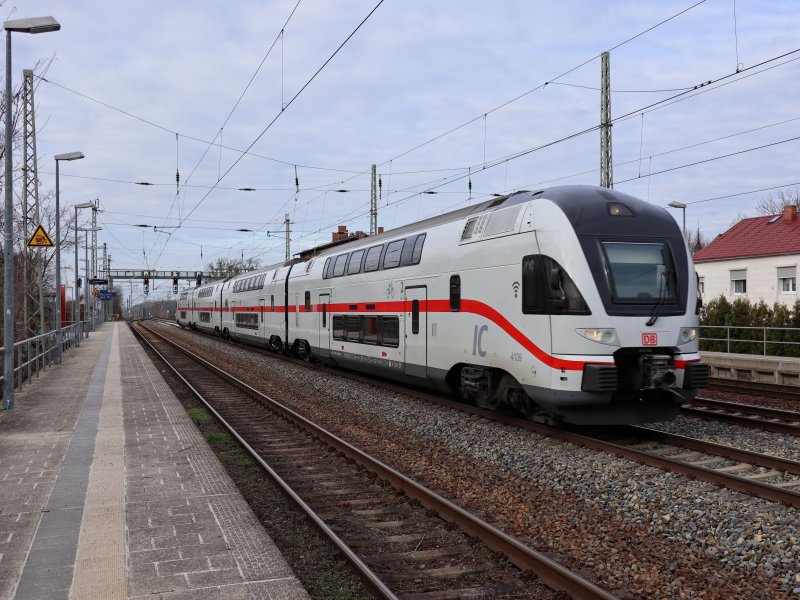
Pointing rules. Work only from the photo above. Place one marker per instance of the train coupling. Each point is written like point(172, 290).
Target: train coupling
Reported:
point(658, 371)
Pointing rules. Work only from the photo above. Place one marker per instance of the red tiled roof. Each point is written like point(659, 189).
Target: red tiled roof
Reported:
point(754, 237)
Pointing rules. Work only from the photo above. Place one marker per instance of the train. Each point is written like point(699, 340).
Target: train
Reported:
point(572, 304)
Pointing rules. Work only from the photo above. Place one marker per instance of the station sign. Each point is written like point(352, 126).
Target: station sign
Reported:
point(98, 282)
point(106, 294)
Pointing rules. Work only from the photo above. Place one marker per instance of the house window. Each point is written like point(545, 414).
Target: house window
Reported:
point(787, 279)
point(739, 281)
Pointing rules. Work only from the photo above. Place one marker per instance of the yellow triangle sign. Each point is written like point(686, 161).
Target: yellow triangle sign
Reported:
point(40, 239)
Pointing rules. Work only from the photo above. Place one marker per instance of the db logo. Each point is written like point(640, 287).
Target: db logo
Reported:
point(649, 339)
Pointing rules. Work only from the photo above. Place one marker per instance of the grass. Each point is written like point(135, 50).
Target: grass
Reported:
point(200, 415)
point(216, 436)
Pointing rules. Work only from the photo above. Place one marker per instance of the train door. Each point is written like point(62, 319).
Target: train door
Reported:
point(262, 330)
point(324, 305)
point(416, 331)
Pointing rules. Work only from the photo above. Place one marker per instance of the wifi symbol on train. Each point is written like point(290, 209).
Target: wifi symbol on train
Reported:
point(515, 287)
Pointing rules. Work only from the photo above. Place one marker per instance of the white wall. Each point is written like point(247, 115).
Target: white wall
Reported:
point(762, 278)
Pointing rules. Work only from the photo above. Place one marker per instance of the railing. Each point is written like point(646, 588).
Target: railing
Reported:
point(767, 341)
point(35, 354)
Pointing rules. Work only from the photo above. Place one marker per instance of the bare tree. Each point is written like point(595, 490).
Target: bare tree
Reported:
point(773, 206)
point(233, 265)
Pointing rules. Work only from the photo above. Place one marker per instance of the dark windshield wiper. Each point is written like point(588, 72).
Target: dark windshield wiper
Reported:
point(662, 298)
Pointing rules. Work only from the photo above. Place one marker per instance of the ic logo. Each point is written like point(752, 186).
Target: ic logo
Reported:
point(649, 339)
point(515, 287)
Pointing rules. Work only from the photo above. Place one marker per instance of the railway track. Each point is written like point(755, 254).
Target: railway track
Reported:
point(756, 474)
point(769, 390)
point(762, 475)
point(749, 415)
point(371, 512)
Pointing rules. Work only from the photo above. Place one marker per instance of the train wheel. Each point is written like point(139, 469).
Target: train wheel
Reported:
point(304, 350)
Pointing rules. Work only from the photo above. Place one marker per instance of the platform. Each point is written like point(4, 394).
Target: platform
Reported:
point(109, 491)
point(779, 370)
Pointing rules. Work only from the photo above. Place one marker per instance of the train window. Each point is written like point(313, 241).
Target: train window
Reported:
point(353, 329)
point(354, 264)
point(309, 265)
point(339, 265)
point(416, 256)
point(263, 279)
point(393, 252)
point(338, 327)
point(415, 317)
point(272, 303)
point(548, 289)
point(370, 329)
point(205, 317)
point(373, 259)
point(455, 293)
point(274, 274)
point(183, 314)
point(534, 286)
point(640, 273)
point(326, 269)
point(247, 320)
point(390, 331)
point(308, 301)
point(325, 314)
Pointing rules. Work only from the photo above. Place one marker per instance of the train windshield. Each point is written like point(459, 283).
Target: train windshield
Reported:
point(640, 273)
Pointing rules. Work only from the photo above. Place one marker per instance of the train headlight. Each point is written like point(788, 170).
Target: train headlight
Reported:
point(605, 336)
point(687, 334)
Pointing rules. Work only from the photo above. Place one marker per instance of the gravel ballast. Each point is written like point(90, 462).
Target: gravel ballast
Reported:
point(633, 529)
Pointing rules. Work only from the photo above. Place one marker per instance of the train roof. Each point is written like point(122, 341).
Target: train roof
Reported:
point(584, 206)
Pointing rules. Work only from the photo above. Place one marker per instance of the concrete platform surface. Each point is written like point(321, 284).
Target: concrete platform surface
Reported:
point(107, 490)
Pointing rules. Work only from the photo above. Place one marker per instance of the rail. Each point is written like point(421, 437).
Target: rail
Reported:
point(766, 341)
point(35, 354)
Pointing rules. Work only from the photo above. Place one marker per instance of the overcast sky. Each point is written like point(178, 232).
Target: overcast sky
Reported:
point(436, 93)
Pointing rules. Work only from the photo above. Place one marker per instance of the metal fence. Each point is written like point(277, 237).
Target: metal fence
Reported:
point(766, 341)
point(34, 355)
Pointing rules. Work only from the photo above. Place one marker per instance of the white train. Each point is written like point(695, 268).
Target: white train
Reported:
point(574, 304)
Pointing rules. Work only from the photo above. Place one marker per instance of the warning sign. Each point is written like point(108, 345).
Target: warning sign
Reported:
point(40, 239)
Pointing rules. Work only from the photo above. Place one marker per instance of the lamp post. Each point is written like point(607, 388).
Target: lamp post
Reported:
point(59, 331)
point(682, 206)
point(78, 325)
point(86, 272)
point(32, 25)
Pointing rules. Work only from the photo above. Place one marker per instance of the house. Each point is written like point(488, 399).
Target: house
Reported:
point(755, 259)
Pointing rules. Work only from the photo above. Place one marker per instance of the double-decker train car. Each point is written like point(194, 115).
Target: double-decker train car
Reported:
point(573, 303)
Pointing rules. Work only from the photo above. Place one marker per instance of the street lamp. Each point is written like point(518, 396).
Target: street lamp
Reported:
point(78, 325)
point(59, 332)
point(682, 206)
point(86, 274)
point(31, 25)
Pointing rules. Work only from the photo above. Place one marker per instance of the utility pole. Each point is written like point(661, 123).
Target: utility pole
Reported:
point(606, 168)
point(94, 260)
point(32, 271)
point(373, 203)
point(105, 276)
point(288, 250)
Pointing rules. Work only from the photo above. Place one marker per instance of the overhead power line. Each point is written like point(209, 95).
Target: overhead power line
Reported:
point(288, 104)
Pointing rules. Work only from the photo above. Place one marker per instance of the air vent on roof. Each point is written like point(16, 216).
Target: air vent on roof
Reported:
point(773, 219)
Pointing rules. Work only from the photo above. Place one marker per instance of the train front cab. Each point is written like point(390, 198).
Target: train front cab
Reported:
point(624, 341)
